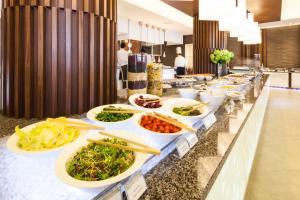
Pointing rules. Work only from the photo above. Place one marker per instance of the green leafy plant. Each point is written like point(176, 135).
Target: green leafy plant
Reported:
point(221, 56)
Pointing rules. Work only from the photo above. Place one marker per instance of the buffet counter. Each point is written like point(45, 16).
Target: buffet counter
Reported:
point(284, 79)
point(211, 167)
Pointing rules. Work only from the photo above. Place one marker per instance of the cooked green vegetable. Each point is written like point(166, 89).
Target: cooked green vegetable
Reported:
point(186, 111)
point(96, 162)
point(106, 116)
point(46, 136)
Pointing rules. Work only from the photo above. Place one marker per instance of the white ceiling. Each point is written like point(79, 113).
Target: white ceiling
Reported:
point(156, 17)
point(290, 9)
point(288, 22)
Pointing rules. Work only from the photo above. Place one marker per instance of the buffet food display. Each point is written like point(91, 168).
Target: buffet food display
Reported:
point(87, 160)
point(145, 101)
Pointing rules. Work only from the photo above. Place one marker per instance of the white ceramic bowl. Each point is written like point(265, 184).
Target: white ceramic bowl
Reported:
point(67, 153)
point(12, 142)
point(91, 115)
point(137, 121)
point(200, 77)
point(180, 102)
point(209, 78)
point(235, 95)
point(214, 99)
point(134, 96)
point(188, 93)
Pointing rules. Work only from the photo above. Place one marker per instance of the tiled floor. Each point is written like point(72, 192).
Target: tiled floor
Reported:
point(276, 171)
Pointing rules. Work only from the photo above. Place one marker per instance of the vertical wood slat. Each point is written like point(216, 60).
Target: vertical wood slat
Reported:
point(92, 60)
point(101, 63)
point(80, 62)
point(8, 70)
point(61, 3)
point(107, 58)
point(46, 3)
point(33, 2)
point(86, 5)
point(74, 5)
point(40, 62)
point(54, 61)
point(103, 11)
point(27, 70)
point(207, 37)
point(2, 52)
point(68, 62)
point(16, 61)
point(113, 63)
point(97, 7)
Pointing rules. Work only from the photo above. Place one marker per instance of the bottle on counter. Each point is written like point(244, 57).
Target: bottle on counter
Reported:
point(154, 71)
point(137, 74)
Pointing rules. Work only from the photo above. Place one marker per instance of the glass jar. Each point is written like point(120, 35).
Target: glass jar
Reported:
point(137, 74)
point(154, 73)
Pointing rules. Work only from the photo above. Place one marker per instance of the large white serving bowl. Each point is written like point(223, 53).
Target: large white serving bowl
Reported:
point(182, 102)
point(214, 98)
point(91, 115)
point(235, 95)
point(156, 136)
point(188, 93)
point(68, 153)
point(134, 96)
point(12, 142)
point(209, 77)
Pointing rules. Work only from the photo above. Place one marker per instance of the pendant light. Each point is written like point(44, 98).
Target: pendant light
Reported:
point(215, 10)
point(235, 19)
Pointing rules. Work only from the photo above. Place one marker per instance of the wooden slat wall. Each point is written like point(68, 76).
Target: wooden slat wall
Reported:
point(282, 47)
point(58, 56)
point(244, 54)
point(206, 39)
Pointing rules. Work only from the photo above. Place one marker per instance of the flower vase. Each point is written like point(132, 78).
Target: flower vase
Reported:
point(220, 70)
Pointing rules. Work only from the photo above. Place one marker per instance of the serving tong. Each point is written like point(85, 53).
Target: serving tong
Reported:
point(172, 121)
point(142, 147)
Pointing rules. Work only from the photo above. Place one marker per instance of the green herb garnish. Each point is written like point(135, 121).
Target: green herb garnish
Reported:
point(106, 116)
point(186, 111)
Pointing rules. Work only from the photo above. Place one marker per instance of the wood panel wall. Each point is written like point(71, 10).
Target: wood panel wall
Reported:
point(282, 46)
point(243, 54)
point(58, 56)
point(206, 39)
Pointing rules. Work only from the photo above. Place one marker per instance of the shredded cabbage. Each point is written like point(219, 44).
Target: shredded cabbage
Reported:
point(45, 136)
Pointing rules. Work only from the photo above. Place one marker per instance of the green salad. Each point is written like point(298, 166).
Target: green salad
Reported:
point(46, 136)
point(108, 115)
point(96, 162)
point(186, 111)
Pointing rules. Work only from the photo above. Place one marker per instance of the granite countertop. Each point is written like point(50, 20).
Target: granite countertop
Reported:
point(190, 177)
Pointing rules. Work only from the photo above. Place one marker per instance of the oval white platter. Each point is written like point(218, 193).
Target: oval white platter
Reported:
point(181, 102)
point(67, 153)
point(134, 96)
point(12, 142)
point(137, 120)
point(91, 114)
